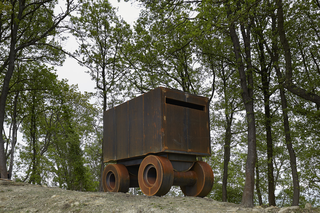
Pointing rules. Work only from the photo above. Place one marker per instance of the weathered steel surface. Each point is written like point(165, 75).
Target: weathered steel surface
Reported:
point(203, 183)
point(160, 121)
point(188, 178)
point(115, 178)
point(155, 175)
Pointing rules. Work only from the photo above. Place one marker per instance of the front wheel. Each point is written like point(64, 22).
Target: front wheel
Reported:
point(115, 178)
point(155, 175)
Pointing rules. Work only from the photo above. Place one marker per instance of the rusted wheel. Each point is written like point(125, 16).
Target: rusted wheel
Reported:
point(115, 178)
point(204, 182)
point(155, 175)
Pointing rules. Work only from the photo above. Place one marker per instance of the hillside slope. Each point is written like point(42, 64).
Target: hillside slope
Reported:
point(22, 197)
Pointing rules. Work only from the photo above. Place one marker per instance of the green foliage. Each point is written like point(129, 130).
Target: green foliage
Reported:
point(75, 121)
point(163, 51)
point(102, 35)
point(234, 193)
point(28, 32)
point(56, 119)
point(177, 44)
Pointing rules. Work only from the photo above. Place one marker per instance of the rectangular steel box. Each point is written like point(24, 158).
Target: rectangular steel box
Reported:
point(160, 121)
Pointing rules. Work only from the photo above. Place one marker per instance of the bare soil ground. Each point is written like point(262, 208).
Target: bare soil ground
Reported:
point(23, 197)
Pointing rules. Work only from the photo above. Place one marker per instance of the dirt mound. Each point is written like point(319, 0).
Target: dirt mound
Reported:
point(22, 197)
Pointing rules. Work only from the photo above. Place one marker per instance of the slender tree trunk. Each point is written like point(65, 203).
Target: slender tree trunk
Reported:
point(246, 78)
point(248, 192)
point(271, 187)
point(14, 134)
point(246, 82)
point(275, 50)
point(101, 174)
point(258, 183)
point(227, 142)
point(293, 163)
point(267, 120)
point(104, 107)
point(13, 144)
point(5, 88)
point(227, 139)
point(33, 177)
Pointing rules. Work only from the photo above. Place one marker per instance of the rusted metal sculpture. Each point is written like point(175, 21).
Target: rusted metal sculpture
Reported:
point(154, 140)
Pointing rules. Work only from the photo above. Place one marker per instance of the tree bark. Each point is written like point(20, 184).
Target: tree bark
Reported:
point(227, 139)
point(285, 44)
point(258, 183)
point(101, 174)
point(267, 118)
point(5, 86)
point(227, 142)
point(271, 187)
point(35, 177)
point(14, 134)
point(246, 83)
point(293, 163)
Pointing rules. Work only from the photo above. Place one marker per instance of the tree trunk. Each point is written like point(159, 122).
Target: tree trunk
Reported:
point(227, 142)
point(101, 174)
point(293, 163)
point(14, 134)
point(271, 187)
point(5, 88)
point(275, 50)
point(246, 82)
point(248, 192)
point(227, 138)
point(33, 139)
point(104, 107)
point(267, 120)
point(258, 183)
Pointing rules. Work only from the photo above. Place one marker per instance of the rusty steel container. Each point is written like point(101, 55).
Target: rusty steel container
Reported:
point(154, 140)
point(162, 121)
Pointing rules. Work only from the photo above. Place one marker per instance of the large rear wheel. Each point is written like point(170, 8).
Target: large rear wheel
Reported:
point(204, 182)
point(115, 178)
point(155, 175)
